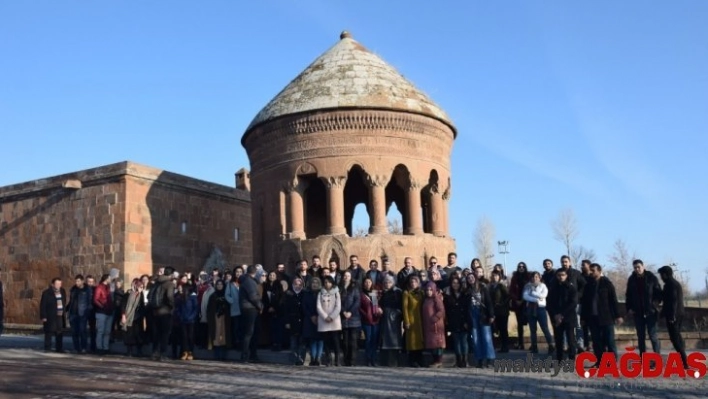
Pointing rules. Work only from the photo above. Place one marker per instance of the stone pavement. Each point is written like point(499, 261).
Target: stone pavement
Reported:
point(29, 373)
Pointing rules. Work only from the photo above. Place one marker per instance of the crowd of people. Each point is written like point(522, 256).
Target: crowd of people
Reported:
point(325, 311)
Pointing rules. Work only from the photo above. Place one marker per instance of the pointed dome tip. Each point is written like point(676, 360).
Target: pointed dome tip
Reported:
point(345, 35)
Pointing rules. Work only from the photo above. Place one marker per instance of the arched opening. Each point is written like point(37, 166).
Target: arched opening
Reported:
point(396, 204)
point(426, 201)
point(394, 220)
point(360, 221)
point(355, 194)
point(334, 257)
point(315, 206)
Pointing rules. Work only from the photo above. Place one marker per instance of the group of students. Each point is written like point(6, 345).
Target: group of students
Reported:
point(325, 311)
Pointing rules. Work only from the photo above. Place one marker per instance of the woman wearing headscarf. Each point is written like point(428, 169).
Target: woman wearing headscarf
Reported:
point(391, 304)
point(218, 310)
point(433, 322)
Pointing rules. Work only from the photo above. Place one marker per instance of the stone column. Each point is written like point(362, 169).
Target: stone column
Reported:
point(296, 211)
point(335, 204)
point(377, 203)
point(446, 212)
point(415, 212)
point(436, 212)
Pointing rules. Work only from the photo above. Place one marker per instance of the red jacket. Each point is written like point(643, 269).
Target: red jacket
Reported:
point(102, 300)
point(368, 311)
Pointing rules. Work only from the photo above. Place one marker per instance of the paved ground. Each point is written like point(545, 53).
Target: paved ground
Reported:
point(26, 372)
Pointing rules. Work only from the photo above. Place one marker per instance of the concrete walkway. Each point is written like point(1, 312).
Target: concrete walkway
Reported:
point(31, 373)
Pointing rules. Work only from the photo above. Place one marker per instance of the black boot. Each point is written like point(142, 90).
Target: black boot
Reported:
point(463, 363)
point(458, 361)
point(479, 364)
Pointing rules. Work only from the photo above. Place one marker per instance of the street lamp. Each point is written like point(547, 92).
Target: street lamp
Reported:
point(503, 249)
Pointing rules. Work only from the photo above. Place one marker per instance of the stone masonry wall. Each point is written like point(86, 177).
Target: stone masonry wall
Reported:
point(47, 231)
point(158, 208)
point(124, 215)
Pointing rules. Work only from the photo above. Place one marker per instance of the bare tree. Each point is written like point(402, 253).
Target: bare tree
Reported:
point(565, 229)
point(360, 232)
point(681, 276)
point(395, 227)
point(579, 253)
point(620, 259)
point(620, 266)
point(484, 240)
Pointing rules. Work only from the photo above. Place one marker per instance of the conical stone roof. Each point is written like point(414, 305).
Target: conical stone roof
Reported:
point(349, 76)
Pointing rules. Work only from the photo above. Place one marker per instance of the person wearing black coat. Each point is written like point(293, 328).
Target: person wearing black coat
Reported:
point(561, 306)
point(52, 308)
point(481, 311)
point(600, 311)
point(293, 319)
point(500, 299)
point(576, 278)
point(457, 304)
point(643, 296)
point(673, 311)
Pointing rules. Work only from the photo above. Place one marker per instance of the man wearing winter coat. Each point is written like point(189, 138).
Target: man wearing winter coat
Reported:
point(52, 311)
point(251, 307)
point(643, 296)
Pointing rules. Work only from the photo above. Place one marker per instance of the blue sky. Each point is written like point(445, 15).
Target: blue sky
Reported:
point(597, 106)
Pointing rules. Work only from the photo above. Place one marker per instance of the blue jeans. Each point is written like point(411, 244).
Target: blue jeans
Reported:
point(316, 349)
point(644, 325)
point(371, 332)
point(539, 316)
point(79, 332)
point(459, 341)
point(104, 323)
point(481, 336)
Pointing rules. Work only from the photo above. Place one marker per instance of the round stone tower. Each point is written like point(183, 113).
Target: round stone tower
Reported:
point(349, 130)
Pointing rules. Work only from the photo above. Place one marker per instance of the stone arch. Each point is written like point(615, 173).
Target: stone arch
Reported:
point(355, 192)
point(396, 194)
point(334, 246)
point(314, 198)
point(306, 168)
point(377, 249)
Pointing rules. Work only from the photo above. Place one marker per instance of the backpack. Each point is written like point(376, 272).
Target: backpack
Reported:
point(156, 296)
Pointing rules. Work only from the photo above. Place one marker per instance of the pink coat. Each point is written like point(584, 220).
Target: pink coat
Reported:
point(434, 322)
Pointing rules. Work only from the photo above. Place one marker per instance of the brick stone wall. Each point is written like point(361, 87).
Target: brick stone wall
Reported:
point(48, 231)
point(124, 215)
point(157, 210)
